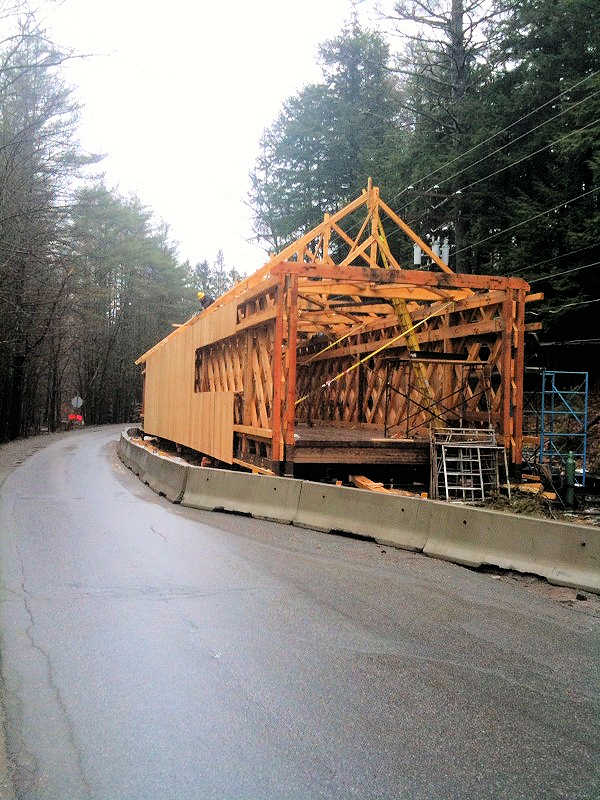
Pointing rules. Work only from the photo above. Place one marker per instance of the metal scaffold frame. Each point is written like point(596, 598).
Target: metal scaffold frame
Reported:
point(563, 418)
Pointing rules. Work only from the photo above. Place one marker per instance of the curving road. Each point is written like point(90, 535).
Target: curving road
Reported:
point(149, 651)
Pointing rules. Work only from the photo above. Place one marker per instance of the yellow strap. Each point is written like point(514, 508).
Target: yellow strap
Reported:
point(327, 384)
point(337, 341)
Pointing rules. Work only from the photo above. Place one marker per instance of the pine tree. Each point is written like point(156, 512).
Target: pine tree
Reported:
point(326, 141)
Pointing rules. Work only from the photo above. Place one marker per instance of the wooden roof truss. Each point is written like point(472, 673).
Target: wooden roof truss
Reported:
point(328, 300)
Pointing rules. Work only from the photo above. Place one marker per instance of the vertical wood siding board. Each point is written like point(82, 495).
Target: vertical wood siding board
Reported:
point(239, 381)
point(209, 369)
point(228, 384)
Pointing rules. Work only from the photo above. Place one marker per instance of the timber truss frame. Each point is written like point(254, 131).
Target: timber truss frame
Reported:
point(316, 326)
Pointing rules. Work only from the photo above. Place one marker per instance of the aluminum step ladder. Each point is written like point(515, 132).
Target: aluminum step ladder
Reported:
point(464, 464)
point(462, 474)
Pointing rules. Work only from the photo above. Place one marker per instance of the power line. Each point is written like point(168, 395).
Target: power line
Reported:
point(508, 144)
point(555, 258)
point(570, 305)
point(565, 272)
point(570, 341)
point(502, 169)
point(498, 133)
point(497, 150)
point(529, 219)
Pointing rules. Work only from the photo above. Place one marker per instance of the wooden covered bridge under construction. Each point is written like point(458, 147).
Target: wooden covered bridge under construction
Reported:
point(335, 353)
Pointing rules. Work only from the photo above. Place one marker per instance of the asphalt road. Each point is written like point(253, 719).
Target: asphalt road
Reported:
point(150, 651)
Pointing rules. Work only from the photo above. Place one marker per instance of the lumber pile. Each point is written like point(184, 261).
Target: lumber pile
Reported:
point(362, 482)
point(531, 484)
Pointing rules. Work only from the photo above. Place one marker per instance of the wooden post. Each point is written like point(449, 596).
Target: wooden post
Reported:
point(276, 454)
point(248, 386)
point(360, 388)
point(519, 367)
point(291, 362)
point(507, 308)
point(448, 375)
point(143, 393)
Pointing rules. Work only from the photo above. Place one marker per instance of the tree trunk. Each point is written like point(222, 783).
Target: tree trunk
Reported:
point(15, 413)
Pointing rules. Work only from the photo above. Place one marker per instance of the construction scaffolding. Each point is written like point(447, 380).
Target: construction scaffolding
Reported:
point(563, 419)
point(556, 420)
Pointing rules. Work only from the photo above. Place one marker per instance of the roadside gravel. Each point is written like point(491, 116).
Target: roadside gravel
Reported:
point(13, 454)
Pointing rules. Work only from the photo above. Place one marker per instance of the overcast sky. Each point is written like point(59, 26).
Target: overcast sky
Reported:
point(179, 95)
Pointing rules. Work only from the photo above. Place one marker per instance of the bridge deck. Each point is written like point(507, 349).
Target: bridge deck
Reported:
point(325, 444)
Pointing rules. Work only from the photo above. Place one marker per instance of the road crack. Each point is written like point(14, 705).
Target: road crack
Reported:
point(52, 680)
point(158, 533)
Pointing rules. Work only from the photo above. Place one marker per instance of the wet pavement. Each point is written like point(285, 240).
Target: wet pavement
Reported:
point(150, 651)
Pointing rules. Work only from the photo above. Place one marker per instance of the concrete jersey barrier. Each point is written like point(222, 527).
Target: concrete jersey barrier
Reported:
point(564, 554)
point(389, 519)
point(163, 475)
point(260, 496)
point(567, 555)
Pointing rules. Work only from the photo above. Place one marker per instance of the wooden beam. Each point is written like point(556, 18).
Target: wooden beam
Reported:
point(276, 453)
point(451, 332)
point(363, 308)
point(416, 239)
point(362, 482)
point(506, 361)
point(256, 319)
point(399, 290)
point(350, 242)
point(410, 277)
point(253, 467)
point(291, 360)
point(253, 432)
point(358, 251)
point(479, 301)
point(519, 376)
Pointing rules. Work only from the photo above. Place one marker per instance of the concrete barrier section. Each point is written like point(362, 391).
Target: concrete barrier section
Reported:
point(140, 458)
point(165, 476)
point(123, 450)
point(564, 554)
point(134, 456)
point(393, 520)
point(456, 534)
point(567, 555)
point(261, 496)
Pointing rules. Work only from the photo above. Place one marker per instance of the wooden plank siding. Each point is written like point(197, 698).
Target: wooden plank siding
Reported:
point(202, 421)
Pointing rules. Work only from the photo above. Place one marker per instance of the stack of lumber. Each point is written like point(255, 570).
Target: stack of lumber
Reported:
point(362, 482)
point(531, 484)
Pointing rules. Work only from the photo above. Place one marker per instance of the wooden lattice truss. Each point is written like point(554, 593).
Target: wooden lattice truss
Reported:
point(331, 331)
